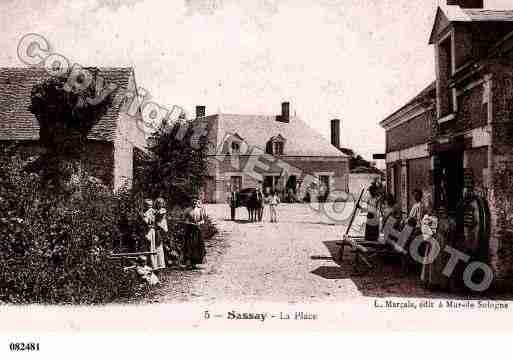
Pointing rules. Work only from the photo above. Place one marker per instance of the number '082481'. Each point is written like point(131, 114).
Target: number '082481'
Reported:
point(14, 347)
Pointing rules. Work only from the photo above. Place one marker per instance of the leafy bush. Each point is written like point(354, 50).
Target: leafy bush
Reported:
point(177, 163)
point(55, 250)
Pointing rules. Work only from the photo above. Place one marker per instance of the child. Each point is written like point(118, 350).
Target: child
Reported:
point(273, 200)
point(144, 271)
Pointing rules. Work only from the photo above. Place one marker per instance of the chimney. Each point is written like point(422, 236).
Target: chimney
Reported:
point(335, 133)
point(467, 4)
point(285, 113)
point(200, 111)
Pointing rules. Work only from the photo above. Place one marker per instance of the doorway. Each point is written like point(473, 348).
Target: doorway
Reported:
point(450, 184)
point(271, 184)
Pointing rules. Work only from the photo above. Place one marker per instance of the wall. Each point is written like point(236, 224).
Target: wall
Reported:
point(130, 134)
point(501, 191)
point(100, 161)
point(412, 133)
point(223, 168)
point(477, 165)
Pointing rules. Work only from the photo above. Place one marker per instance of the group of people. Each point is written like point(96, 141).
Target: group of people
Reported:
point(466, 229)
point(382, 207)
point(162, 247)
point(255, 202)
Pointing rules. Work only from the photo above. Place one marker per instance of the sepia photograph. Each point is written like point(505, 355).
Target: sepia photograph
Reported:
point(224, 165)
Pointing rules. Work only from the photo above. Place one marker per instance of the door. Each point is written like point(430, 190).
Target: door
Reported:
point(451, 180)
point(268, 185)
point(272, 183)
point(291, 186)
point(325, 187)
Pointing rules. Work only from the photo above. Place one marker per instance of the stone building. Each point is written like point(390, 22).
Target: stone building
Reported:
point(114, 142)
point(460, 128)
point(277, 152)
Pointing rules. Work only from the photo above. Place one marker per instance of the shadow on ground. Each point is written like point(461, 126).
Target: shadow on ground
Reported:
point(239, 221)
point(386, 278)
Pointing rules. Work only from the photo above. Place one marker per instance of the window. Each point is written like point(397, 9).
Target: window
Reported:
point(275, 146)
point(272, 183)
point(269, 148)
point(278, 148)
point(235, 148)
point(445, 61)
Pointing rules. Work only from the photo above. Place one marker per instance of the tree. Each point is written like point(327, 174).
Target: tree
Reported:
point(66, 108)
point(359, 161)
point(177, 164)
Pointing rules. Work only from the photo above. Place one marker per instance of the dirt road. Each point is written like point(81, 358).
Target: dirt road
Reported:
point(289, 261)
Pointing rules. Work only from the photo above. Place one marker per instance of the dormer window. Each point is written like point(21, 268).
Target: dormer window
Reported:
point(234, 144)
point(276, 146)
point(235, 148)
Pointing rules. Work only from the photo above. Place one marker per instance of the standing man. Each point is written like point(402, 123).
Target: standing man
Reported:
point(233, 203)
point(260, 202)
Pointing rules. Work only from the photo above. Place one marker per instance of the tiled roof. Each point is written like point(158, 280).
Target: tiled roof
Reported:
point(18, 123)
point(447, 14)
point(489, 15)
point(300, 139)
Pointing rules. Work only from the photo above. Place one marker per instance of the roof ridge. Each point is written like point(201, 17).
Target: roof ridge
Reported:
point(257, 130)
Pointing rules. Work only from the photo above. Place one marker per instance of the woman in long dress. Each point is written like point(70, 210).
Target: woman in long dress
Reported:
point(194, 247)
point(372, 208)
point(161, 231)
point(148, 218)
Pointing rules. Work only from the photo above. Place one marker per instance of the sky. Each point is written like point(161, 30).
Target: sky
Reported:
point(355, 60)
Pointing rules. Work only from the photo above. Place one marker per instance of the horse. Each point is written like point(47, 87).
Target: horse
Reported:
point(253, 201)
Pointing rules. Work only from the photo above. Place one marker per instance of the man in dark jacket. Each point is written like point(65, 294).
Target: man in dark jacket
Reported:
point(234, 202)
